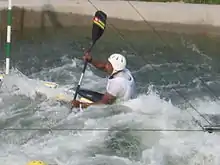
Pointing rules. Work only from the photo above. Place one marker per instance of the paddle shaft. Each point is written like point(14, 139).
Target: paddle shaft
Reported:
point(82, 74)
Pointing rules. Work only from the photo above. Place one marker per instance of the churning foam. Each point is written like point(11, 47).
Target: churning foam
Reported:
point(97, 145)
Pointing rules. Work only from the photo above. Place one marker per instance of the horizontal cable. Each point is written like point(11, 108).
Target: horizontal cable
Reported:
point(103, 129)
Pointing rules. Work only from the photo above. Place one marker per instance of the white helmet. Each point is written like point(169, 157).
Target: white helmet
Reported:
point(118, 61)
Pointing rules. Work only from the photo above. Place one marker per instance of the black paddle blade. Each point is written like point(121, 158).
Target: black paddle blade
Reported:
point(99, 23)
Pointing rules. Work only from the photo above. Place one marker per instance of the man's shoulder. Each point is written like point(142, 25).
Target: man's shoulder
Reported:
point(117, 80)
point(127, 70)
point(121, 78)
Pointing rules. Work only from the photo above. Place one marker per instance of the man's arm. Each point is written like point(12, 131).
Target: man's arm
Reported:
point(98, 64)
point(111, 94)
point(106, 99)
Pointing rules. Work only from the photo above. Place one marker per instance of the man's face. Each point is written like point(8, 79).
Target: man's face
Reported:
point(109, 68)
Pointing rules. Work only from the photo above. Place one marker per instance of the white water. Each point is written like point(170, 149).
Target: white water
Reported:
point(93, 146)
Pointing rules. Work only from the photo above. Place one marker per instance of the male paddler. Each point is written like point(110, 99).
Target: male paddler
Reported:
point(121, 84)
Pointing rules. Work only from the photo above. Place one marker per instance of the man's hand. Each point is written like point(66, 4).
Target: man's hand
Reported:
point(75, 103)
point(87, 57)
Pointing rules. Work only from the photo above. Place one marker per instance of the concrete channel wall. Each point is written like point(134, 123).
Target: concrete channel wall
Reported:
point(123, 14)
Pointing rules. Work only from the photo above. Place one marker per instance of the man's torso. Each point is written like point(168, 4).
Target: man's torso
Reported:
point(122, 85)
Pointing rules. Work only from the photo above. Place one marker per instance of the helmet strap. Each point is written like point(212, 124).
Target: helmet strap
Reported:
point(114, 73)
